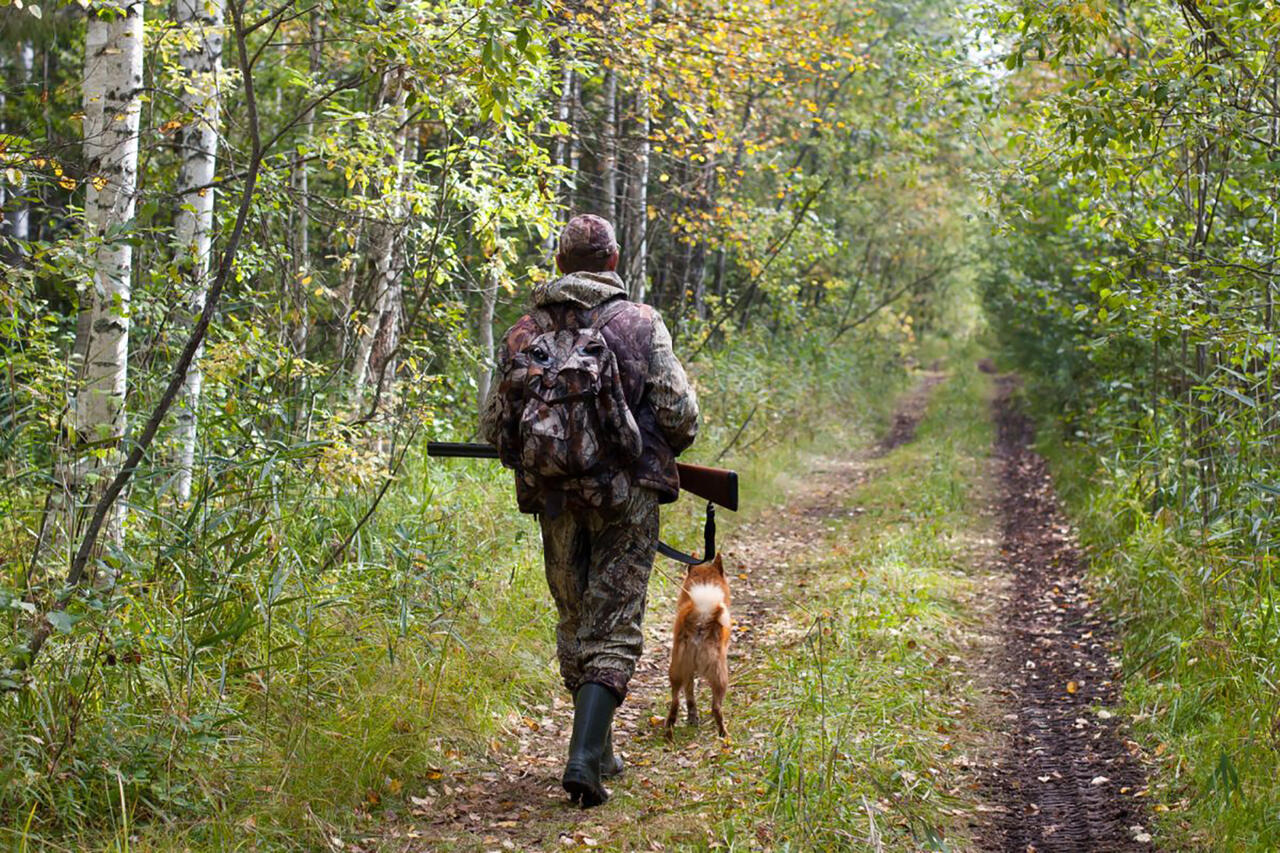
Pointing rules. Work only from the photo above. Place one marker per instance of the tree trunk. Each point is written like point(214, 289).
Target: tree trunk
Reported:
point(112, 108)
point(575, 153)
point(488, 301)
point(637, 202)
point(300, 322)
point(560, 149)
point(22, 213)
point(609, 148)
point(380, 336)
point(636, 269)
point(17, 222)
point(701, 307)
point(193, 224)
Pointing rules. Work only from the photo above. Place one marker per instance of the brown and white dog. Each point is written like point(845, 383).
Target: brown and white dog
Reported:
point(700, 645)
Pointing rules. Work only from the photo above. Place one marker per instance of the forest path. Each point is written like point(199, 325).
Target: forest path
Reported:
point(1032, 645)
point(513, 800)
point(1068, 779)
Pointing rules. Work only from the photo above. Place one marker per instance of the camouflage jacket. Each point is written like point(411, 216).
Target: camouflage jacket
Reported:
point(657, 391)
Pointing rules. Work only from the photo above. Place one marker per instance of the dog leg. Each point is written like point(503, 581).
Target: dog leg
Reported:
point(674, 710)
point(691, 706)
point(719, 682)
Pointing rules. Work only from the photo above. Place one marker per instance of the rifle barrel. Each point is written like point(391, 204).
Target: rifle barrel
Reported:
point(714, 484)
point(461, 449)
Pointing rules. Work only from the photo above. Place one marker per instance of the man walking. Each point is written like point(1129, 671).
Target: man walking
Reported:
point(599, 520)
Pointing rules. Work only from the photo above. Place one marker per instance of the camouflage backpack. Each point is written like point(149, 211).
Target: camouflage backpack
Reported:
point(566, 427)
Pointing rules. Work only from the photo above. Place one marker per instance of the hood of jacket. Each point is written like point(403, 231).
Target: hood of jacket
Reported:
point(587, 289)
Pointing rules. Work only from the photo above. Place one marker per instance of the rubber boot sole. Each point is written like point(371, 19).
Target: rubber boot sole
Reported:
point(582, 787)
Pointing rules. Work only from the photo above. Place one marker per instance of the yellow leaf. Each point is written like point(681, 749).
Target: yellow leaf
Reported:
point(1072, 687)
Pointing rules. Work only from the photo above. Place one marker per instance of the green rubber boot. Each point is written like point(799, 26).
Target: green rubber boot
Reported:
point(610, 764)
point(593, 707)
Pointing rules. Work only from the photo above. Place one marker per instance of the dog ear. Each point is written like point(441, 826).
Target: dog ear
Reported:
point(718, 562)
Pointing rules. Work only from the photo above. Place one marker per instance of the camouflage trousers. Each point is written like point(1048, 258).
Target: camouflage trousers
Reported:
point(598, 566)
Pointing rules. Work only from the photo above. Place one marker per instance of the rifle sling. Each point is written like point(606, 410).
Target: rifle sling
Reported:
point(679, 556)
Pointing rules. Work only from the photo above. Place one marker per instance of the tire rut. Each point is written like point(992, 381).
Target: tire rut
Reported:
point(1068, 780)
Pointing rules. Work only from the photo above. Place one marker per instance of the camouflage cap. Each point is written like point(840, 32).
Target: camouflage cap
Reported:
point(588, 236)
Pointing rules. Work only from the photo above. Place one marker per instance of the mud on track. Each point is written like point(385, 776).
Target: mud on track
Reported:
point(1068, 779)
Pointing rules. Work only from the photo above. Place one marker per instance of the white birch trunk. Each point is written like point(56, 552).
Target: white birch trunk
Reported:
point(193, 224)
point(609, 147)
point(300, 325)
point(564, 114)
point(560, 151)
point(111, 87)
point(20, 222)
point(637, 268)
point(378, 337)
point(488, 302)
point(575, 154)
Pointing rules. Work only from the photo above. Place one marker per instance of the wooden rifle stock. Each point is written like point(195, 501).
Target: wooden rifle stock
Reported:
point(718, 485)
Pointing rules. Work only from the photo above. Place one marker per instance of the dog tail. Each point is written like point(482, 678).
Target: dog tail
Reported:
point(707, 598)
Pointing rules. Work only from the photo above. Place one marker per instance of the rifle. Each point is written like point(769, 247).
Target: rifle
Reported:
point(714, 485)
point(717, 485)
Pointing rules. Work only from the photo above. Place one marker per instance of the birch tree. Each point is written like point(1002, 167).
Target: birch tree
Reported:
point(17, 220)
point(488, 301)
point(378, 336)
point(21, 229)
point(200, 58)
point(609, 146)
point(111, 86)
point(637, 201)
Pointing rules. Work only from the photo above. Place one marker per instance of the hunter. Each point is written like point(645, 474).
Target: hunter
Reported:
point(599, 529)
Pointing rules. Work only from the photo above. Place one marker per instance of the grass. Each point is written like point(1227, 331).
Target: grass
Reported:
point(1201, 656)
